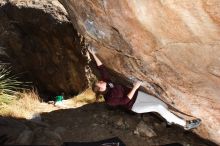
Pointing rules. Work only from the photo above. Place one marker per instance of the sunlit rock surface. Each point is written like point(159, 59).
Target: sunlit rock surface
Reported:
point(172, 45)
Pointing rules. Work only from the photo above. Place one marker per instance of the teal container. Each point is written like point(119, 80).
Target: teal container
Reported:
point(59, 98)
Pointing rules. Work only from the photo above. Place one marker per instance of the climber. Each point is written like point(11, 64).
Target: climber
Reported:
point(133, 99)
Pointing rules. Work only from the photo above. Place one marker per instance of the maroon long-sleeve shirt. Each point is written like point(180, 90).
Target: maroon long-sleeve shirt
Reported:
point(116, 94)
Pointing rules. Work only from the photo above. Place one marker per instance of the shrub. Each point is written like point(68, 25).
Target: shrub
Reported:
point(9, 85)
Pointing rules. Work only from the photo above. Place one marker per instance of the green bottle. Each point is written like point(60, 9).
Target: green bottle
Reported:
point(59, 97)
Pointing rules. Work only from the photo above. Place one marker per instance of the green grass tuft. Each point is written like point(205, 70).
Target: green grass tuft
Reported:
point(9, 85)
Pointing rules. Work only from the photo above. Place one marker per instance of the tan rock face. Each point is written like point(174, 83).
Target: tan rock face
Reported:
point(172, 45)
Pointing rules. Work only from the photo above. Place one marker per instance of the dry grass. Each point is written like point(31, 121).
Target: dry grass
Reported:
point(28, 105)
point(6, 99)
point(24, 107)
point(86, 97)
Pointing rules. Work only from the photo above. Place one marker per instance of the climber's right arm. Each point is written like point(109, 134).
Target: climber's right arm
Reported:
point(102, 69)
point(133, 90)
point(97, 60)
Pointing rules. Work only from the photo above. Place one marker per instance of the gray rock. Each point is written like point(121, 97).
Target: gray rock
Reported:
point(145, 131)
point(120, 122)
point(4, 122)
point(60, 130)
point(11, 129)
point(25, 137)
point(45, 136)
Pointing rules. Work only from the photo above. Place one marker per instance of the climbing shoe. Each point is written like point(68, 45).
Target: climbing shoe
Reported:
point(192, 124)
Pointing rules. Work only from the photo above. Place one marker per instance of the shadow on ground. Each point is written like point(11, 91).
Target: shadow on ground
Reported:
point(93, 122)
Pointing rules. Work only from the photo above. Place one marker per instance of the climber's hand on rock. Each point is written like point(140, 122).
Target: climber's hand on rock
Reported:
point(137, 84)
point(91, 50)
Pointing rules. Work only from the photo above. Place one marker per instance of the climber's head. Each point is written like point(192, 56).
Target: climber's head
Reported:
point(99, 86)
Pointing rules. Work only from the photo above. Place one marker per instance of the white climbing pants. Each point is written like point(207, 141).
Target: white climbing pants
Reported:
point(147, 103)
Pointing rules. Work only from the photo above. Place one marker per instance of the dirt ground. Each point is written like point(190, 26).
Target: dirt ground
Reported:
point(96, 121)
point(81, 119)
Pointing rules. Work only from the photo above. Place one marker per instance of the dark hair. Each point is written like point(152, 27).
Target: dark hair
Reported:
point(94, 87)
point(97, 91)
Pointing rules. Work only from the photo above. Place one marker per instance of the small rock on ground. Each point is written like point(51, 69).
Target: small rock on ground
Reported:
point(144, 130)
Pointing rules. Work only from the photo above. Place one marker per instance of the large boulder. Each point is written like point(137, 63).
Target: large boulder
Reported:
point(42, 45)
point(172, 45)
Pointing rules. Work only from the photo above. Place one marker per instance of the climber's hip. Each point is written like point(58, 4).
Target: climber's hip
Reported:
point(146, 102)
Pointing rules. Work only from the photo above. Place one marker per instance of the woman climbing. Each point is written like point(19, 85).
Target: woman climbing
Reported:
point(133, 99)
